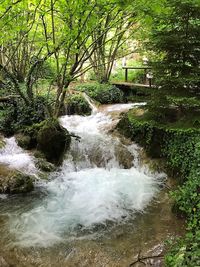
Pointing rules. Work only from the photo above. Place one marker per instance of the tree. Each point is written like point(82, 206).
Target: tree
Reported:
point(176, 37)
point(121, 24)
point(75, 24)
point(18, 46)
point(64, 34)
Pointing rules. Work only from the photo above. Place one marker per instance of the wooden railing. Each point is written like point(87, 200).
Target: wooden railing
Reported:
point(145, 68)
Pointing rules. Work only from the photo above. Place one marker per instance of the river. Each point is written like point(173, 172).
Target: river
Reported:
point(100, 208)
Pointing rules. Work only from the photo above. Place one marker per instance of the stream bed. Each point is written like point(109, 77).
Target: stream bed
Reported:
point(100, 208)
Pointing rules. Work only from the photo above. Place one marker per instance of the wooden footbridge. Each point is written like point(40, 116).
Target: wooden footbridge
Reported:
point(147, 78)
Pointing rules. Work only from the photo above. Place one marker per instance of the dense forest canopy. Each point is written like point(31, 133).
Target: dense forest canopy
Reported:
point(61, 39)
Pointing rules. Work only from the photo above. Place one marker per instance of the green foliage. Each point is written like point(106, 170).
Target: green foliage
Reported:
point(181, 148)
point(76, 104)
point(179, 145)
point(185, 252)
point(176, 36)
point(177, 110)
point(103, 93)
point(186, 103)
point(136, 76)
point(16, 116)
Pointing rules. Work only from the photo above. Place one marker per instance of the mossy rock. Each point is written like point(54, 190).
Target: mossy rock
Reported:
point(76, 104)
point(44, 165)
point(38, 155)
point(24, 141)
point(28, 138)
point(53, 141)
point(14, 182)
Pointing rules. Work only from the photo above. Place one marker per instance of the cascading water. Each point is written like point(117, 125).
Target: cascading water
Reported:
point(92, 188)
point(14, 156)
point(91, 211)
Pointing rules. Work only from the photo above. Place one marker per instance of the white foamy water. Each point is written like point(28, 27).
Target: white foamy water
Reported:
point(118, 107)
point(92, 188)
point(91, 103)
point(16, 158)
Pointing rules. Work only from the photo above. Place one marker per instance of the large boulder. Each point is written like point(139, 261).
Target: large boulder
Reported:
point(14, 182)
point(53, 141)
point(76, 104)
point(49, 139)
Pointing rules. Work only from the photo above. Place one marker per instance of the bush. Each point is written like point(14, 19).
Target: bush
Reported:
point(103, 93)
point(17, 116)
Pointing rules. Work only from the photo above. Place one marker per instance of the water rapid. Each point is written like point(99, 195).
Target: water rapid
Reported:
point(99, 186)
point(16, 158)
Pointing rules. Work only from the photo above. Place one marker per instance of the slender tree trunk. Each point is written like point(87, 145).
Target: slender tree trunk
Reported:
point(15, 83)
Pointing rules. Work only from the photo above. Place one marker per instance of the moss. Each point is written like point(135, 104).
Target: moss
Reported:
point(53, 141)
point(49, 139)
point(45, 166)
point(24, 141)
point(15, 182)
point(76, 104)
point(39, 155)
point(161, 141)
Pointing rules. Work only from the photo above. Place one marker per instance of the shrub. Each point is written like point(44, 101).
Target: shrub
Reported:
point(103, 93)
point(17, 116)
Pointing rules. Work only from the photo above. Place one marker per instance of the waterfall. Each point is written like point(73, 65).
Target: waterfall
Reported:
point(90, 102)
point(95, 187)
point(16, 158)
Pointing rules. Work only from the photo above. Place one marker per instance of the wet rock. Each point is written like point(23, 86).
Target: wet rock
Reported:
point(14, 182)
point(3, 263)
point(53, 141)
point(124, 157)
point(24, 141)
point(76, 104)
point(44, 165)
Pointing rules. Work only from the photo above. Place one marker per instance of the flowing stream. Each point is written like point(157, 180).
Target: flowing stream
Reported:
point(98, 209)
